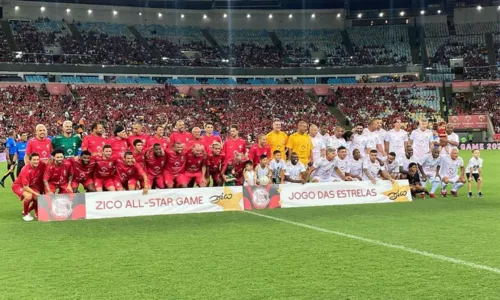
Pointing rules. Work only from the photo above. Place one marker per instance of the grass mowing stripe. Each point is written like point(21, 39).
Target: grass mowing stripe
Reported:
point(384, 244)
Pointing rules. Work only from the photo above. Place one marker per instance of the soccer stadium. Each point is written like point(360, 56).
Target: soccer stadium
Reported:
point(249, 149)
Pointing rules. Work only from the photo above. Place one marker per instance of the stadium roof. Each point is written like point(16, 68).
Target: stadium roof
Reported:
point(260, 4)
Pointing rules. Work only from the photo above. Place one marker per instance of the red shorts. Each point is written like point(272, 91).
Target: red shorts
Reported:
point(86, 183)
point(104, 183)
point(18, 189)
point(63, 188)
point(186, 177)
point(171, 179)
point(125, 184)
point(159, 181)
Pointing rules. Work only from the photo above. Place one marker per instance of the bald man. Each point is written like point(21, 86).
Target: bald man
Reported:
point(137, 134)
point(180, 135)
point(196, 139)
point(319, 146)
point(258, 149)
point(67, 141)
point(300, 143)
point(39, 144)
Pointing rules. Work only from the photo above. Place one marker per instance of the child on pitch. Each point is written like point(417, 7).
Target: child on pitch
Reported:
point(415, 183)
point(473, 170)
point(229, 179)
point(277, 166)
point(249, 174)
point(263, 171)
point(443, 137)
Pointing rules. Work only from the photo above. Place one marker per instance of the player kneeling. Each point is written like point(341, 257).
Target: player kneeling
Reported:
point(127, 170)
point(324, 168)
point(58, 175)
point(28, 185)
point(373, 170)
point(105, 170)
point(195, 168)
point(83, 172)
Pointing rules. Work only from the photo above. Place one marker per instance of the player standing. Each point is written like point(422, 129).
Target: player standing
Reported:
point(196, 140)
point(234, 144)
point(215, 161)
point(318, 143)
point(396, 139)
point(83, 172)
point(119, 142)
point(258, 149)
point(209, 138)
point(68, 142)
point(175, 164)
point(474, 170)
point(10, 152)
point(359, 140)
point(157, 138)
point(127, 172)
point(447, 169)
point(300, 143)
point(104, 170)
point(137, 134)
point(337, 139)
point(181, 135)
point(94, 142)
point(58, 175)
point(421, 140)
point(277, 139)
point(452, 140)
point(155, 160)
point(372, 139)
point(39, 144)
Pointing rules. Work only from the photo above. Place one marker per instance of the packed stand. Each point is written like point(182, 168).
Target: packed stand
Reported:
point(486, 100)
point(360, 104)
point(299, 44)
point(380, 45)
point(5, 53)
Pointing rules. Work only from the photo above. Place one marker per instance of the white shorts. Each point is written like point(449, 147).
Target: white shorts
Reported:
point(432, 179)
point(452, 179)
point(325, 179)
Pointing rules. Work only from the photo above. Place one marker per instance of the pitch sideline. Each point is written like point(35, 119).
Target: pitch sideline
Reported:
point(384, 244)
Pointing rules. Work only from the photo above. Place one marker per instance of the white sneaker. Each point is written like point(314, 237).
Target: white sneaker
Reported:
point(28, 218)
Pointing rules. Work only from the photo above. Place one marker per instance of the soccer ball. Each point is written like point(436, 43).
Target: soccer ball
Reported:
point(264, 180)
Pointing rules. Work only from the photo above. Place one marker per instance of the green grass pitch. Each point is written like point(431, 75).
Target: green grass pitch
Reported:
point(243, 256)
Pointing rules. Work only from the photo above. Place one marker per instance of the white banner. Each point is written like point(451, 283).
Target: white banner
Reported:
point(340, 193)
point(162, 202)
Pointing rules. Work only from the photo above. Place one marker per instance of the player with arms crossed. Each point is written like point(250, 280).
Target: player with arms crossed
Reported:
point(372, 169)
point(127, 172)
point(447, 169)
point(83, 172)
point(474, 170)
point(104, 173)
point(295, 171)
point(58, 175)
point(29, 185)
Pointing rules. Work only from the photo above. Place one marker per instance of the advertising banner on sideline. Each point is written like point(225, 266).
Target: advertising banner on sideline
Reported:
point(469, 121)
point(480, 146)
point(341, 193)
point(134, 203)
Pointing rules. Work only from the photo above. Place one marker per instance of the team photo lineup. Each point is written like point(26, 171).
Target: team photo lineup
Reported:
point(136, 160)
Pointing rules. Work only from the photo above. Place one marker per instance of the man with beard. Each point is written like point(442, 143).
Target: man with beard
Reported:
point(337, 140)
point(104, 170)
point(180, 135)
point(155, 160)
point(396, 139)
point(195, 167)
point(137, 134)
point(359, 140)
point(234, 144)
point(238, 164)
point(175, 164)
point(447, 169)
point(391, 165)
point(68, 142)
point(83, 172)
point(215, 161)
point(373, 170)
point(58, 175)
point(127, 172)
point(94, 142)
point(323, 132)
point(39, 144)
point(29, 185)
point(157, 138)
point(452, 140)
point(405, 160)
point(429, 165)
point(119, 142)
point(258, 149)
point(295, 171)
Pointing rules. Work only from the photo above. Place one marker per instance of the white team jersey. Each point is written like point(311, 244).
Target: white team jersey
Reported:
point(294, 171)
point(397, 140)
point(421, 142)
point(318, 145)
point(343, 165)
point(359, 142)
point(450, 167)
point(474, 165)
point(452, 138)
point(391, 167)
point(326, 138)
point(324, 168)
point(262, 172)
point(372, 139)
point(405, 162)
point(429, 164)
point(355, 167)
point(335, 143)
point(277, 166)
point(373, 168)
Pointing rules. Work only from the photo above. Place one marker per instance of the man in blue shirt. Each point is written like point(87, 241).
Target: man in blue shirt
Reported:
point(10, 151)
point(21, 151)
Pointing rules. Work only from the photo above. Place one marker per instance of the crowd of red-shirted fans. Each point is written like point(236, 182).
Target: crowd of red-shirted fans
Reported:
point(486, 101)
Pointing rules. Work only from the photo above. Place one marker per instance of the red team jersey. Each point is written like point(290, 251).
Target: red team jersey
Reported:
point(209, 140)
point(189, 145)
point(81, 172)
point(215, 163)
point(154, 164)
point(180, 137)
point(42, 147)
point(194, 163)
point(105, 168)
point(255, 152)
point(238, 170)
point(125, 172)
point(143, 137)
point(164, 142)
point(32, 177)
point(118, 146)
point(58, 175)
point(175, 162)
point(139, 158)
point(233, 146)
point(93, 143)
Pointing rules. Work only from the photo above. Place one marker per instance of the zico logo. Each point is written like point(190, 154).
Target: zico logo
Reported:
point(218, 198)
